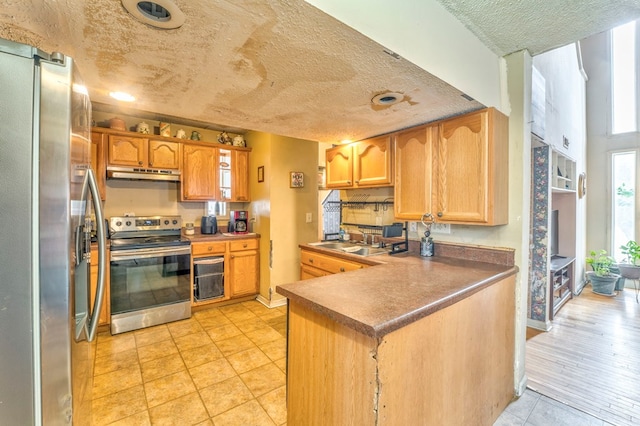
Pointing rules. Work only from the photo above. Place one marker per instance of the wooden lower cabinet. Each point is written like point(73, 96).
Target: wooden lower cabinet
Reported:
point(454, 366)
point(244, 267)
point(241, 266)
point(105, 312)
point(314, 264)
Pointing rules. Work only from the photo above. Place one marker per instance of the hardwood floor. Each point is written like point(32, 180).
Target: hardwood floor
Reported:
point(590, 359)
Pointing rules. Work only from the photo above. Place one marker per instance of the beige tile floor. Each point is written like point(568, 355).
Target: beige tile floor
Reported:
point(223, 366)
point(226, 366)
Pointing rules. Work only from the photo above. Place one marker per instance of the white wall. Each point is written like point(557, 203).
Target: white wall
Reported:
point(565, 117)
point(425, 33)
point(600, 142)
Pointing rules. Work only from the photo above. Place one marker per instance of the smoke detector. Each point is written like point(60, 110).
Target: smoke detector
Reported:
point(163, 14)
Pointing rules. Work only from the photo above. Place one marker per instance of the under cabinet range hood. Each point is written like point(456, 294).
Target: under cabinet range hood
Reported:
point(140, 173)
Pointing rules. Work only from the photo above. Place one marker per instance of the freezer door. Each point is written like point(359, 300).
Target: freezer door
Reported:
point(18, 261)
point(64, 152)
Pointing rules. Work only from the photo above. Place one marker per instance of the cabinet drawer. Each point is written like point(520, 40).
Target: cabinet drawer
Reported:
point(207, 248)
point(239, 245)
point(307, 272)
point(328, 263)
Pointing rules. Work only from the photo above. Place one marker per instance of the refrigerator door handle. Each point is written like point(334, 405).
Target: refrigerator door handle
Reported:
point(102, 255)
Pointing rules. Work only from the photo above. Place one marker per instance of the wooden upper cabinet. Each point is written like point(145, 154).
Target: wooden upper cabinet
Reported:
point(128, 151)
point(413, 172)
point(98, 161)
point(240, 176)
point(340, 166)
point(198, 173)
point(363, 164)
point(164, 154)
point(373, 162)
point(142, 152)
point(471, 180)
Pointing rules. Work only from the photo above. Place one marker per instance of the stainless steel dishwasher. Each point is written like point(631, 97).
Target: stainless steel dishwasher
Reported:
point(208, 278)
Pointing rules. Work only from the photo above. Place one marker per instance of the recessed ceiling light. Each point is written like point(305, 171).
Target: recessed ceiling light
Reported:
point(163, 14)
point(122, 96)
point(387, 98)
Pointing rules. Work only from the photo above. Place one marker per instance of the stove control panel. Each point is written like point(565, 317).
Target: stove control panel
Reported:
point(144, 223)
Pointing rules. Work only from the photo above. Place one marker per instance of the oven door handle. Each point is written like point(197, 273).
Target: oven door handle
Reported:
point(148, 253)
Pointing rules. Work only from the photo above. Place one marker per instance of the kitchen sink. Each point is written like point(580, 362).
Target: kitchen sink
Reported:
point(331, 245)
point(350, 248)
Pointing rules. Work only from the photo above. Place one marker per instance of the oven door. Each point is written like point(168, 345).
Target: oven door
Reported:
point(149, 286)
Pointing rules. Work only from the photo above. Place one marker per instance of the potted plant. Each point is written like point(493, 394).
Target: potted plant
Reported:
point(603, 279)
point(630, 269)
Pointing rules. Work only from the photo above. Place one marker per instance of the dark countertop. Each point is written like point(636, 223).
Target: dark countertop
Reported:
point(400, 289)
point(200, 237)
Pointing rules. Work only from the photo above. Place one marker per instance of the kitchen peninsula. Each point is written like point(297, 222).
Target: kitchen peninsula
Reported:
point(408, 340)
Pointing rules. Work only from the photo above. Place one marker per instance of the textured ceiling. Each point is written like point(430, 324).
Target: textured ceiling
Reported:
point(279, 66)
point(507, 26)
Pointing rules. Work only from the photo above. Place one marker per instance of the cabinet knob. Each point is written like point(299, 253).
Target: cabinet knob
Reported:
point(140, 163)
point(233, 256)
point(341, 269)
point(439, 214)
point(357, 181)
point(310, 260)
point(150, 164)
point(210, 248)
point(244, 245)
point(349, 182)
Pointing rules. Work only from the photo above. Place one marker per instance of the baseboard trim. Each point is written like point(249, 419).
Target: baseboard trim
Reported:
point(539, 325)
point(522, 386)
point(271, 303)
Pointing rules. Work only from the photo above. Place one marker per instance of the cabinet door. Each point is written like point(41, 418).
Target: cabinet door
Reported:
point(340, 167)
point(372, 162)
point(472, 164)
point(164, 154)
point(127, 151)
point(98, 161)
point(198, 173)
point(244, 271)
point(413, 171)
point(240, 176)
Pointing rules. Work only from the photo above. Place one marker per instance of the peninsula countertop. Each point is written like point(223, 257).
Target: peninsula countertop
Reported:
point(400, 289)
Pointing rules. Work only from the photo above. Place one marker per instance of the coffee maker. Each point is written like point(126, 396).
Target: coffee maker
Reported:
point(239, 221)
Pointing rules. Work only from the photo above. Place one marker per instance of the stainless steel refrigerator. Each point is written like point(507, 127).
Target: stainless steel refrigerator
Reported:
point(47, 189)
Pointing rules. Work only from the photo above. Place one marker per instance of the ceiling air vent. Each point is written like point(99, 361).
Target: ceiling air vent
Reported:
point(163, 14)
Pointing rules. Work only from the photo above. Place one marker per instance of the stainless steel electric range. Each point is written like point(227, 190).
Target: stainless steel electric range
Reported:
point(150, 272)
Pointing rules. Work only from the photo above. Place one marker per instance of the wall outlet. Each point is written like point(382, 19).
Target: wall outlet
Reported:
point(440, 228)
point(413, 227)
point(309, 217)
